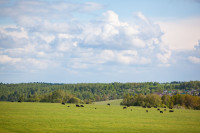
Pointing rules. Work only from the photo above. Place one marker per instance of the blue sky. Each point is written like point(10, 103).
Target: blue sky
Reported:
point(80, 41)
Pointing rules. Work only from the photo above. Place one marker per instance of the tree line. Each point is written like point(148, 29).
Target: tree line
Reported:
point(186, 101)
point(87, 92)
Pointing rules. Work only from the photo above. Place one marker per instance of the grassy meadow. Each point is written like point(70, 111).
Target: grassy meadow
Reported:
point(112, 102)
point(54, 117)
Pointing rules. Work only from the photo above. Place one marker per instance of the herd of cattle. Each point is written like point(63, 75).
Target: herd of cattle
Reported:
point(77, 105)
point(154, 107)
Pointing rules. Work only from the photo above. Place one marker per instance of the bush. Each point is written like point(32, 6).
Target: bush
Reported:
point(74, 100)
point(57, 100)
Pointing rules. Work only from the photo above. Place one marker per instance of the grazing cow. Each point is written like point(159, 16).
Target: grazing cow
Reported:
point(164, 106)
point(155, 106)
point(124, 107)
point(149, 106)
point(77, 105)
point(63, 103)
point(144, 106)
point(165, 110)
point(82, 106)
point(161, 111)
point(19, 101)
point(170, 107)
point(158, 109)
point(146, 110)
point(108, 104)
point(171, 110)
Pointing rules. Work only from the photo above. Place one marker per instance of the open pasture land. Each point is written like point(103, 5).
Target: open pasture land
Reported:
point(55, 117)
point(112, 102)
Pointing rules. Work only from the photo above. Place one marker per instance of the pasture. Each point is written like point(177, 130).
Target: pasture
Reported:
point(112, 102)
point(55, 117)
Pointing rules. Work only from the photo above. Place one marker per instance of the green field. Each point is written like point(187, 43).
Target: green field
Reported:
point(54, 117)
point(112, 102)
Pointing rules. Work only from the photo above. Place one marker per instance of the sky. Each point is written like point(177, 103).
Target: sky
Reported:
point(99, 41)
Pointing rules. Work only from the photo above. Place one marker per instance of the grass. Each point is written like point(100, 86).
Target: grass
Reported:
point(112, 102)
point(54, 117)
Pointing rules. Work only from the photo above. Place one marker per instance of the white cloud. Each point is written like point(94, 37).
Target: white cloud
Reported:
point(138, 42)
point(142, 17)
point(23, 51)
point(104, 41)
point(37, 63)
point(111, 18)
point(181, 34)
point(130, 57)
point(47, 9)
point(6, 59)
point(67, 46)
point(47, 38)
point(106, 56)
point(14, 31)
point(91, 6)
point(164, 57)
point(65, 36)
point(109, 31)
point(194, 59)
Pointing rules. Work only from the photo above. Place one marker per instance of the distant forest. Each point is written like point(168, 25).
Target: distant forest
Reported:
point(91, 92)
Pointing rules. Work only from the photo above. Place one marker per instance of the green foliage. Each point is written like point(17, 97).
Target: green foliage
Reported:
point(187, 101)
point(74, 100)
point(142, 100)
point(91, 92)
point(166, 100)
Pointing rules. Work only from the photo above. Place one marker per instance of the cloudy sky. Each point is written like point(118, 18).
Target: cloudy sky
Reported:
point(79, 41)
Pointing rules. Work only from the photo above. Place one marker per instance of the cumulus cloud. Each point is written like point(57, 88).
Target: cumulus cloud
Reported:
point(37, 63)
point(181, 34)
point(38, 42)
point(111, 32)
point(194, 59)
point(6, 59)
point(164, 57)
